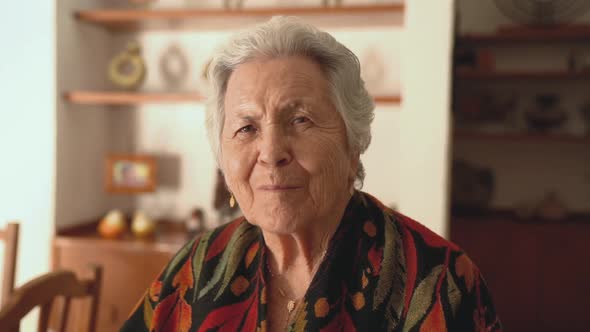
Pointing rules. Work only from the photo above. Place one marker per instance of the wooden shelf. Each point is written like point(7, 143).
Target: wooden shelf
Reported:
point(520, 75)
point(390, 100)
point(134, 19)
point(579, 33)
point(137, 98)
point(464, 135)
point(130, 98)
point(506, 215)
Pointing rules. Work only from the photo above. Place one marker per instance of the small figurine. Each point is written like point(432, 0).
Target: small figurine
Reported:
point(142, 226)
point(196, 223)
point(113, 225)
point(546, 114)
point(127, 69)
point(174, 66)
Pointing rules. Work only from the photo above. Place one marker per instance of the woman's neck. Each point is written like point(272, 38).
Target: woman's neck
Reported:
point(302, 250)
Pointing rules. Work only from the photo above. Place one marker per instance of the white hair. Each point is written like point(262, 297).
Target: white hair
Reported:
point(288, 36)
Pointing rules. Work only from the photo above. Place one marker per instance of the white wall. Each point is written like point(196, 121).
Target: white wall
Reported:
point(85, 134)
point(424, 121)
point(27, 130)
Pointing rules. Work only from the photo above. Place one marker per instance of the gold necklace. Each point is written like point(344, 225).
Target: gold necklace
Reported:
point(291, 303)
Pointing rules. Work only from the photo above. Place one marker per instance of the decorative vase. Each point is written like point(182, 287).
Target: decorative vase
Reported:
point(546, 114)
point(127, 69)
point(174, 66)
point(113, 225)
point(142, 226)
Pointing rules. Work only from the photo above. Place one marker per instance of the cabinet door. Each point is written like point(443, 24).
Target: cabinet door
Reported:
point(506, 253)
point(127, 273)
point(565, 276)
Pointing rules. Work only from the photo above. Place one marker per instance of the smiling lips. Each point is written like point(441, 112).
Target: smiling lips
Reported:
point(278, 187)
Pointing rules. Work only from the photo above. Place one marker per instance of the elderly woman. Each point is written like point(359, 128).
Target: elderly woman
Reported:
point(311, 253)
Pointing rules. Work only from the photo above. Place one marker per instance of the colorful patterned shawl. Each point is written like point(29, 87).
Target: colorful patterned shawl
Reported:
point(382, 272)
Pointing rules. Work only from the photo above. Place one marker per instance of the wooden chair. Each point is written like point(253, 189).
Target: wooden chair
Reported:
point(43, 290)
point(10, 236)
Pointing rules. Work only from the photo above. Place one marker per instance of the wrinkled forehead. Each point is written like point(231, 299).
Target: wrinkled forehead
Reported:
point(276, 81)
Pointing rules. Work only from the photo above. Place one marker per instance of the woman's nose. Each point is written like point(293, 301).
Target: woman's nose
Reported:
point(274, 149)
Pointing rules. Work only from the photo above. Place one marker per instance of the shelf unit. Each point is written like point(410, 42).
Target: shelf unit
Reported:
point(564, 34)
point(146, 19)
point(137, 98)
point(464, 135)
point(136, 19)
point(520, 40)
point(129, 98)
point(527, 166)
point(520, 75)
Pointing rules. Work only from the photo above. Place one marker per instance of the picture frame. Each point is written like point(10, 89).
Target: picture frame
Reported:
point(130, 174)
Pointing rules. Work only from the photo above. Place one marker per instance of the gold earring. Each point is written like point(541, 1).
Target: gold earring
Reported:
point(232, 201)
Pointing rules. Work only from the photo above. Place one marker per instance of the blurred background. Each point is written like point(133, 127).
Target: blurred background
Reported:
point(481, 132)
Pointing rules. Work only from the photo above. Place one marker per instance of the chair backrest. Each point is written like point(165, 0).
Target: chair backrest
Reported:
point(10, 236)
point(43, 290)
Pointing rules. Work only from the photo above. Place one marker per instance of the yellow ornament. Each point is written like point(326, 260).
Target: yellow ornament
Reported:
point(142, 226)
point(127, 69)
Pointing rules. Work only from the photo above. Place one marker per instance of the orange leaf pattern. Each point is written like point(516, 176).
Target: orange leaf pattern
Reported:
point(183, 280)
point(173, 314)
point(154, 291)
point(427, 284)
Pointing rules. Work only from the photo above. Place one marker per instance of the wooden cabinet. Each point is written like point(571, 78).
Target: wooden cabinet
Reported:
point(129, 266)
point(538, 273)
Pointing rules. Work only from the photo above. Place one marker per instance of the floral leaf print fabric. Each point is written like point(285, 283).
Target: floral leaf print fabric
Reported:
point(382, 272)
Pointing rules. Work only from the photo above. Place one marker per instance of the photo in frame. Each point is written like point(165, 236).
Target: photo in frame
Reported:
point(130, 174)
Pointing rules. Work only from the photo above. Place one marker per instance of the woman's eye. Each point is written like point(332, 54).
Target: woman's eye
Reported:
point(300, 119)
point(246, 129)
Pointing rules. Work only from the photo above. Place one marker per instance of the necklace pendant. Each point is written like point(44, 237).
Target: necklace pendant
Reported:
point(290, 305)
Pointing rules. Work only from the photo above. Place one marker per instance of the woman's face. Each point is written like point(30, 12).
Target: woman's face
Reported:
point(284, 146)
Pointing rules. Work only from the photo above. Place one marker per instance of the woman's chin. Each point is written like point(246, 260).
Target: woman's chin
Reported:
point(279, 226)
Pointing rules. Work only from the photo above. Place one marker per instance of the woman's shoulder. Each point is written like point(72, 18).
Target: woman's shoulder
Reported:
point(442, 284)
point(423, 249)
point(203, 250)
point(198, 270)
point(408, 226)
point(214, 242)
